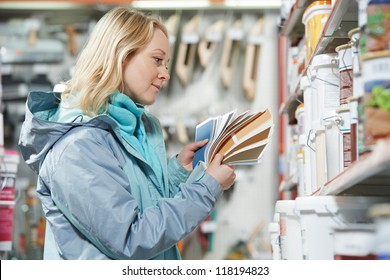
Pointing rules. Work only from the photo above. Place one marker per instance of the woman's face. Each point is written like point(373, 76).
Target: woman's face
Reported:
point(146, 71)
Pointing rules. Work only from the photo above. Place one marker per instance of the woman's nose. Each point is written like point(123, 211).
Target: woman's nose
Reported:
point(164, 73)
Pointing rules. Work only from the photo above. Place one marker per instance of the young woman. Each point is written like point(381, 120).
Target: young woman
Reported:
point(106, 186)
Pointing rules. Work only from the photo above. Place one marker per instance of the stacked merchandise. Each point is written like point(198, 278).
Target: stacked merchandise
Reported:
point(345, 115)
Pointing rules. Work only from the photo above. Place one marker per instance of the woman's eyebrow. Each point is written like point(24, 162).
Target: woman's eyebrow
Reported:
point(160, 50)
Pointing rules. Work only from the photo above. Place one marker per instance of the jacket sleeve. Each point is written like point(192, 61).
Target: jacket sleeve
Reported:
point(177, 174)
point(91, 190)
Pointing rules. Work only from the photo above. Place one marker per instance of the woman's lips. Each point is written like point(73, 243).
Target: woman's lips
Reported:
point(156, 86)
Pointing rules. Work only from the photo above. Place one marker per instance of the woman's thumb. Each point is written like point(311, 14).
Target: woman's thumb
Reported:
point(218, 159)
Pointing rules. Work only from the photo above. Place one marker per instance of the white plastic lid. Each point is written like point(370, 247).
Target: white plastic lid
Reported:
point(316, 6)
point(304, 83)
point(322, 60)
point(273, 228)
point(286, 207)
point(351, 227)
point(317, 126)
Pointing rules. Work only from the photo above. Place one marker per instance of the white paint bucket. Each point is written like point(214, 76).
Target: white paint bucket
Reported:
point(381, 215)
point(310, 101)
point(320, 155)
point(323, 74)
point(274, 232)
point(290, 230)
point(354, 242)
point(331, 121)
point(314, 19)
point(319, 215)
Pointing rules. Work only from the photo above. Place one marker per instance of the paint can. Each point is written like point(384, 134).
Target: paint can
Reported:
point(331, 121)
point(376, 81)
point(290, 230)
point(323, 74)
point(319, 215)
point(381, 215)
point(344, 56)
point(354, 242)
point(377, 29)
point(314, 19)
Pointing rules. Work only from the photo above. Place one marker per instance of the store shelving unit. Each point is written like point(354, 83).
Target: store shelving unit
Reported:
point(370, 175)
point(83, 15)
point(293, 25)
point(342, 19)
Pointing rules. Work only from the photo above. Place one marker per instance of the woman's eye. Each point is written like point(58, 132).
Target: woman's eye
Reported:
point(158, 60)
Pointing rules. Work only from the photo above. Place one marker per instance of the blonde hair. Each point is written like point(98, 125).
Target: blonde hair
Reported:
point(99, 69)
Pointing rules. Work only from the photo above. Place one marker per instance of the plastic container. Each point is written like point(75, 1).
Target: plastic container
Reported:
point(323, 75)
point(319, 215)
point(274, 231)
point(376, 78)
point(320, 155)
point(331, 121)
point(354, 242)
point(301, 173)
point(314, 19)
point(381, 215)
point(310, 100)
point(308, 170)
point(290, 230)
point(345, 69)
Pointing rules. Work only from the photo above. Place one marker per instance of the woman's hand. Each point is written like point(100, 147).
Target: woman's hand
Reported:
point(223, 173)
point(186, 156)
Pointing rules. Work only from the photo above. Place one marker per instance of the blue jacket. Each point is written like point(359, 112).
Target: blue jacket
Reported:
point(92, 184)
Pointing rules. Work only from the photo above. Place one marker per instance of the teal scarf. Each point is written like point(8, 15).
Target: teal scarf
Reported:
point(128, 116)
